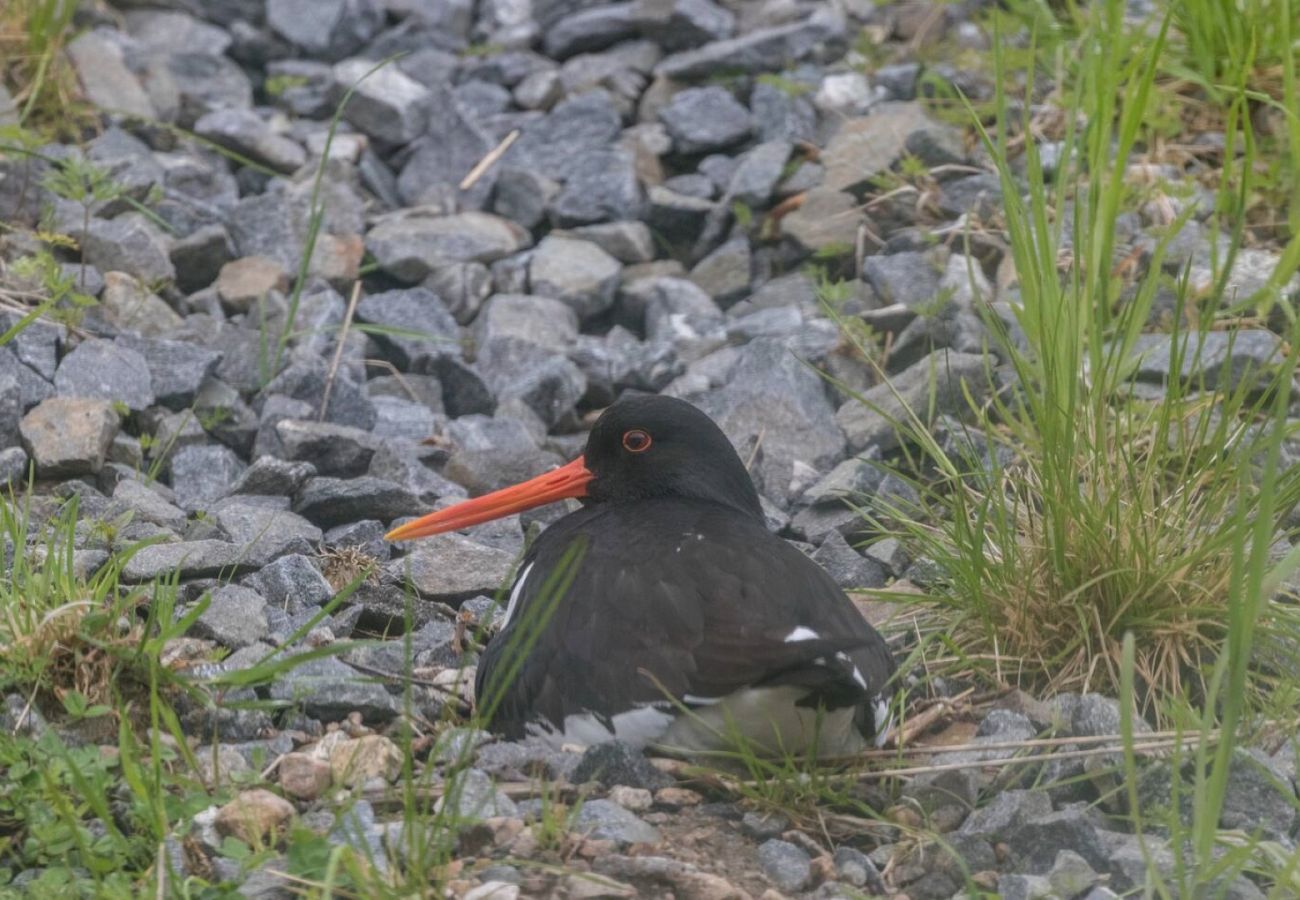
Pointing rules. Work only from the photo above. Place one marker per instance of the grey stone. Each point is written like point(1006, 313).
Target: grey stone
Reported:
point(201, 474)
point(385, 104)
point(334, 450)
point(761, 50)
point(275, 223)
point(366, 536)
point(68, 436)
point(491, 453)
point(202, 82)
point(482, 99)
point(704, 119)
point(335, 501)
point(540, 320)
point(440, 159)
point(781, 322)
point(846, 566)
point(628, 242)
point(303, 87)
point(786, 865)
point(464, 392)
point(177, 369)
point(1216, 359)
point(602, 185)
point(246, 133)
point(13, 465)
point(780, 115)
point(194, 559)
point(758, 172)
point(105, 78)
point(618, 763)
point(305, 380)
point(898, 79)
point(410, 246)
point(514, 759)
point(576, 272)
point(453, 567)
point(605, 820)
point(199, 256)
point(864, 147)
point(331, 29)
point(463, 287)
point(248, 518)
point(1036, 842)
point(679, 218)
point(31, 388)
point(772, 394)
point(129, 243)
point(148, 504)
point(102, 370)
point(472, 795)
point(329, 689)
point(725, 273)
point(554, 144)
point(909, 278)
point(856, 868)
point(37, 344)
point(1007, 810)
point(406, 465)
point(591, 29)
point(540, 90)
point(975, 195)
point(872, 423)
point(269, 475)
point(421, 326)
point(128, 306)
point(235, 617)
point(682, 24)
point(522, 195)
point(403, 418)
point(291, 582)
point(826, 223)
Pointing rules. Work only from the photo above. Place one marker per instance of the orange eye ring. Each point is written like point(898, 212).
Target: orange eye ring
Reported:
point(636, 441)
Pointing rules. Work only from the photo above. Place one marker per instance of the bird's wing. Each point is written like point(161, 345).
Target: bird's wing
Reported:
point(675, 605)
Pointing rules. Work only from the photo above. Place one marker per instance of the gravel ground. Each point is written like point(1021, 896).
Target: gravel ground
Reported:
point(459, 326)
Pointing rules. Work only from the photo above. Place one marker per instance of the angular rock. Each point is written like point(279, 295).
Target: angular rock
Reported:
point(421, 326)
point(129, 243)
point(849, 569)
point(826, 223)
point(335, 450)
point(177, 369)
point(291, 582)
point(682, 24)
point(591, 29)
point(772, 394)
point(618, 763)
point(602, 186)
point(105, 78)
point(472, 795)
point(410, 245)
point(247, 518)
point(761, 50)
point(453, 567)
point(68, 436)
point(701, 120)
point(576, 272)
point(100, 369)
point(488, 454)
point(605, 820)
point(864, 147)
point(194, 559)
point(871, 423)
point(329, 689)
point(386, 104)
point(269, 475)
point(128, 306)
point(201, 474)
point(331, 29)
point(786, 865)
point(335, 501)
point(235, 617)
point(246, 133)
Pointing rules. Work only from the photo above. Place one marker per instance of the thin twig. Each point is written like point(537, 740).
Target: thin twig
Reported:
point(486, 162)
point(338, 350)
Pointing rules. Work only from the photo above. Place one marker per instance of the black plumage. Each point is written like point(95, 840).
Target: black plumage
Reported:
point(685, 616)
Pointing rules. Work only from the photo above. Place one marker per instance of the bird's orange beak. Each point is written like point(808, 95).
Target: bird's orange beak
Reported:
point(558, 484)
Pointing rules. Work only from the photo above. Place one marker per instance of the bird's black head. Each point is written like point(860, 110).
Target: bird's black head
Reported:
point(648, 446)
point(641, 448)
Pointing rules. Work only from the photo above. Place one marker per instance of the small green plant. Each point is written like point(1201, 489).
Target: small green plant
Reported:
point(276, 85)
point(785, 84)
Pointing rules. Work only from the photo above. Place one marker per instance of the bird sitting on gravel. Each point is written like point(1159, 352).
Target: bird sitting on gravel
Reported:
point(683, 622)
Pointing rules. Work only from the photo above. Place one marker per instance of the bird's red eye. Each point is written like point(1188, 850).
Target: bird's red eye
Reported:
point(636, 441)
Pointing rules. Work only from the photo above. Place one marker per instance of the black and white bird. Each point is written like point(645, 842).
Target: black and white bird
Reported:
point(686, 623)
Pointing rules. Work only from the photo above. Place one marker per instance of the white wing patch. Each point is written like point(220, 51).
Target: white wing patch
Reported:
point(802, 633)
point(882, 714)
point(516, 591)
point(637, 727)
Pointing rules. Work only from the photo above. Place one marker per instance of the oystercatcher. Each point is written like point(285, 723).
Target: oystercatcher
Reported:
point(686, 623)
